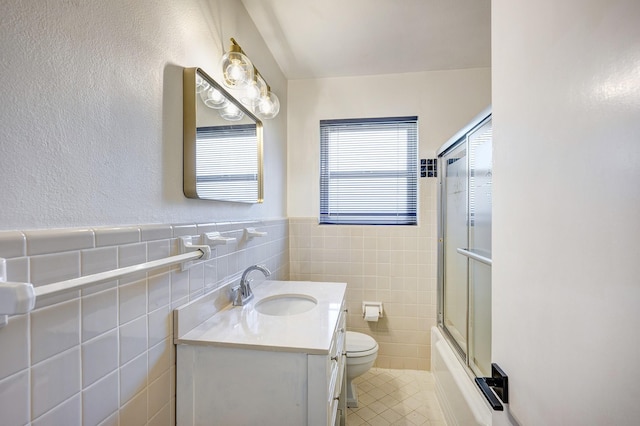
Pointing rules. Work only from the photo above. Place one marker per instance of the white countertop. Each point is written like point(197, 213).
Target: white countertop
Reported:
point(243, 326)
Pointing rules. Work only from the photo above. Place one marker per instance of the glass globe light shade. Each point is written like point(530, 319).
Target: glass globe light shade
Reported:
point(253, 92)
point(213, 98)
point(201, 84)
point(237, 69)
point(268, 106)
point(231, 113)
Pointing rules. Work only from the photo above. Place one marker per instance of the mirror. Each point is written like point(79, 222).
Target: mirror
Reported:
point(222, 143)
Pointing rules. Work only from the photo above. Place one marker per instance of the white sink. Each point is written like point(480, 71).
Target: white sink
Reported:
point(286, 304)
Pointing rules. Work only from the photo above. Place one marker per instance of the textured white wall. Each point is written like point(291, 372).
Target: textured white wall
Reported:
point(91, 110)
point(444, 101)
point(566, 276)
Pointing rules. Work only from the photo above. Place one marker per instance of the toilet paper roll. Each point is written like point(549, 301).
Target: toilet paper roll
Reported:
point(371, 313)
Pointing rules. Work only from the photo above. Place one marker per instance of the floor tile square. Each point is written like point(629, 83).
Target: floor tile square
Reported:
point(365, 386)
point(391, 415)
point(417, 418)
point(355, 420)
point(364, 399)
point(378, 407)
point(378, 421)
point(366, 413)
point(377, 393)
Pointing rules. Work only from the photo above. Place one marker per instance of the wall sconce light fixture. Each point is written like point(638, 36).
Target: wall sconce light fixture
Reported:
point(240, 73)
point(237, 69)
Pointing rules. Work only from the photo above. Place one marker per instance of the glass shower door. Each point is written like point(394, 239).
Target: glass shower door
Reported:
point(465, 238)
point(454, 205)
point(480, 179)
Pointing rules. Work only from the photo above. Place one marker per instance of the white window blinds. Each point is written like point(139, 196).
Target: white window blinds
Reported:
point(368, 171)
point(226, 176)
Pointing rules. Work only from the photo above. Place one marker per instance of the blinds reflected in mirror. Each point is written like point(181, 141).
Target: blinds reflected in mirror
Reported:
point(227, 163)
point(368, 171)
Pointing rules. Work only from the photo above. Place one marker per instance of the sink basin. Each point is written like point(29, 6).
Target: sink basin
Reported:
point(286, 304)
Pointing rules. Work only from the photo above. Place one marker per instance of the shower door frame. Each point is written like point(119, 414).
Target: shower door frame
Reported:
point(461, 137)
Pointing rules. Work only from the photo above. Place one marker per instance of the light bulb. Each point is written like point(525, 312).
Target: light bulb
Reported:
point(213, 98)
point(231, 113)
point(264, 106)
point(201, 84)
point(237, 69)
point(253, 91)
point(268, 106)
point(234, 71)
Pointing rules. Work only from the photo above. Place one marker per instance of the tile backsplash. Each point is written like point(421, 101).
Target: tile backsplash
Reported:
point(104, 355)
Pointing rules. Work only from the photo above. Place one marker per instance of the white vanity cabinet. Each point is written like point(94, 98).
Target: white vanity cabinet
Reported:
point(261, 379)
point(327, 382)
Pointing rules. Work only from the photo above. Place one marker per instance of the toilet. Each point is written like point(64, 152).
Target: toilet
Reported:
point(362, 351)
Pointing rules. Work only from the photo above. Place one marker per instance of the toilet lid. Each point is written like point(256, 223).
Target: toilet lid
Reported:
point(359, 342)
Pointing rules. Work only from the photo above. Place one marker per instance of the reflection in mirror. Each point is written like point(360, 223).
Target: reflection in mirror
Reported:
point(222, 143)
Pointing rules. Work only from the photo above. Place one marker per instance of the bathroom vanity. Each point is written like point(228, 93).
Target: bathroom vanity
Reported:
point(277, 360)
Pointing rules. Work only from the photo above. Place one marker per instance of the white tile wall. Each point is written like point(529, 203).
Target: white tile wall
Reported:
point(135, 411)
point(12, 244)
point(117, 236)
point(100, 400)
point(14, 357)
point(105, 355)
point(133, 378)
point(67, 413)
point(54, 329)
point(58, 240)
point(55, 380)
point(15, 398)
point(97, 260)
point(133, 339)
point(99, 313)
point(99, 357)
point(49, 268)
point(133, 300)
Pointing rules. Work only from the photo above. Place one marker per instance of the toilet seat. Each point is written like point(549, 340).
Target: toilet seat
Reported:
point(360, 345)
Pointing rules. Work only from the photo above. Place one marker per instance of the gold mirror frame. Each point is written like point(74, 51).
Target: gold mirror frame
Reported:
point(193, 103)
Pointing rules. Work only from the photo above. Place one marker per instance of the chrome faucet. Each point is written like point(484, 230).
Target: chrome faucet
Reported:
point(242, 293)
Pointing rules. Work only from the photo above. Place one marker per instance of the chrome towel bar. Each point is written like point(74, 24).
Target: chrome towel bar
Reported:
point(475, 256)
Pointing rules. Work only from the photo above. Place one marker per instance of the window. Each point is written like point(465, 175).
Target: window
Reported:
point(368, 171)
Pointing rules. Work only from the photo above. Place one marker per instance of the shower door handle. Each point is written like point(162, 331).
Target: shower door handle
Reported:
point(495, 388)
point(475, 256)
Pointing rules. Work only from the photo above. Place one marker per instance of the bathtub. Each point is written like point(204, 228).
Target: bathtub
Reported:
point(461, 401)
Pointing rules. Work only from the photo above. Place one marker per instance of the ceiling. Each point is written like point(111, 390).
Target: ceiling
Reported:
point(336, 38)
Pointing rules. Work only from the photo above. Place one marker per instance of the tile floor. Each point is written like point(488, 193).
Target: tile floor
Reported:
point(395, 397)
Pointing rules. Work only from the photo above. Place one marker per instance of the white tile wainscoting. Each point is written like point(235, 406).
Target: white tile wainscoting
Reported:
point(104, 355)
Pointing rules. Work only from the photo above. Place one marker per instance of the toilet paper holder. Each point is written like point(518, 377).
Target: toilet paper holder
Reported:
point(377, 305)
